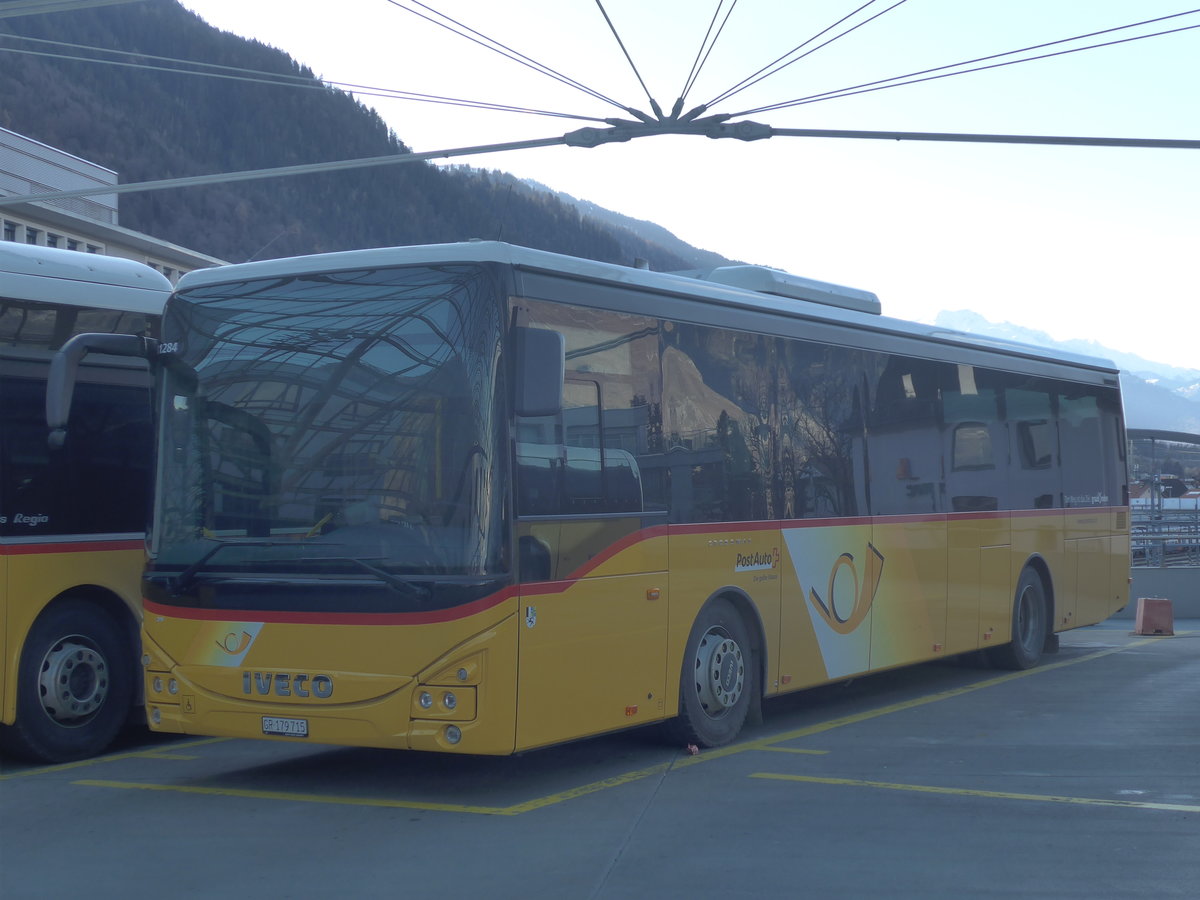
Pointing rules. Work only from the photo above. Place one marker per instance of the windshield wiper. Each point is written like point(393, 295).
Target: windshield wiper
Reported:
point(407, 588)
point(184, 579)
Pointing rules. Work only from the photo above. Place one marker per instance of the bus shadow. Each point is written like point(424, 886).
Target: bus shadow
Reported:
point(473, 783)
point(498, 784)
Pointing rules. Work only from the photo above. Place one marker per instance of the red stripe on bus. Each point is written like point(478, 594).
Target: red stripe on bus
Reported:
point(292, 617)
point(546, 588)
point(613, 549)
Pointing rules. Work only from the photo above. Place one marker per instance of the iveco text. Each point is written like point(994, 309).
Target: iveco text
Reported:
point(286, 685)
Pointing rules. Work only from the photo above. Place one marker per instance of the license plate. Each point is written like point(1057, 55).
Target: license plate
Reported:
point(287, 727)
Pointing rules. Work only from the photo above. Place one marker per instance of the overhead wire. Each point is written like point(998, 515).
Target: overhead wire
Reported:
point(401, 158)
point(702, 54)
point(897, 80)
point(255, 76)
point(13, 8)
point(773, 67)
point(339, 165)
point(588, 137)
point(314, 83)
point(628, 58)
point(1046, 140)
point(495, 46)
point(305, 81)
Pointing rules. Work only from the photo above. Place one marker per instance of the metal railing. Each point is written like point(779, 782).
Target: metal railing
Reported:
point(1166, 537)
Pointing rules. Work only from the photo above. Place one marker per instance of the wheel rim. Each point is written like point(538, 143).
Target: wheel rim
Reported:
point(720, 672)
point(73, 680)
point(1028, 618)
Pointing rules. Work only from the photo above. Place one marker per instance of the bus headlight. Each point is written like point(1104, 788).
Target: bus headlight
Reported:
point(157, 684)
point(453, 734)
point(173, 686)
point(438, 701)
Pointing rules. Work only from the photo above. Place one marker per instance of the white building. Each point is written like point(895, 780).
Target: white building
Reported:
point(88, 224)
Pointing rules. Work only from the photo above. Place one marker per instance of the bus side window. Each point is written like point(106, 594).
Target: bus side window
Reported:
point(563, 467)
point(904, 437)
point(1034, 444)
point(26, 488)
point(1086, 455)
point(977, 465)
point(1035, 477)
point(98, 482)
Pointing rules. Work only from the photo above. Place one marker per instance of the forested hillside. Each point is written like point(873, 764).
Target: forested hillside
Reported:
point(148, 124)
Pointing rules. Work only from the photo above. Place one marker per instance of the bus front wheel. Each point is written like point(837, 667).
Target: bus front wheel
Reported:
point(717, 683)
point(74, 686)
point(1029, 620)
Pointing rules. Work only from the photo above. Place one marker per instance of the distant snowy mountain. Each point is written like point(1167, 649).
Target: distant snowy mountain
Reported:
point(1157, 395)
point(1148, 370)
point(1153, 406)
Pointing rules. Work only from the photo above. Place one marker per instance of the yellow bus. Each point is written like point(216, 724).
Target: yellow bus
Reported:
point(72, 519)
point(477, 498)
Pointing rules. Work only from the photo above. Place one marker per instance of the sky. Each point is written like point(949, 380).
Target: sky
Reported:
point(1084, 243)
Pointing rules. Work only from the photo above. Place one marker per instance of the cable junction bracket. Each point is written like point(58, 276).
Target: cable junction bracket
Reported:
point(622, 130)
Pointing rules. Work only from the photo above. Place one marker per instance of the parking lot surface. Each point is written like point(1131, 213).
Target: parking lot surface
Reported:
point(1079, 778)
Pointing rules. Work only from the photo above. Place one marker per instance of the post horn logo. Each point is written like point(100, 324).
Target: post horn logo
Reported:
point(233, 644)
point(863, 593)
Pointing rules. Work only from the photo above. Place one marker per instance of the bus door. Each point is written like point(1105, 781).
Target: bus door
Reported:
point(1090, 444)
point(908, 481)
point(1035, 492)
point(975, 456)
point(592, 566)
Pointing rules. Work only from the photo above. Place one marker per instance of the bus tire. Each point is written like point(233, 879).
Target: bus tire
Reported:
point(717, 682)
point(1029, 620)
point(74, 685)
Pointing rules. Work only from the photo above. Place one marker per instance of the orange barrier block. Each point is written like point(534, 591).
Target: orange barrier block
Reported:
point(1154, 616)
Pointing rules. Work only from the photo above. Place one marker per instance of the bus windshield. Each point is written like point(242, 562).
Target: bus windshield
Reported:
point(338, 425)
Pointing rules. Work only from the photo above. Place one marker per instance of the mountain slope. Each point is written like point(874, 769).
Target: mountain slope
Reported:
point(151, 124)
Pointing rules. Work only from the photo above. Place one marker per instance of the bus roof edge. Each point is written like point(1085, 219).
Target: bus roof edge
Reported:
point(795, 287)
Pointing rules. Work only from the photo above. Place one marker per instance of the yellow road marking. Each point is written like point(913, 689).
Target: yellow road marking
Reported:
point(767, 743)
point(515, 809)
point(594, 787)
point(297, 798)
point(112, 757)
point(763, 744)
point(967, 792)
point(793, 750)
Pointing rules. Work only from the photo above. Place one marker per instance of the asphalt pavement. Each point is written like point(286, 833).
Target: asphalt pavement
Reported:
point(1079, 778)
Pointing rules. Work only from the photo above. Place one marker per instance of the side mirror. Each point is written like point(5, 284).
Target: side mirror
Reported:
point(539, 369)
point(64, 367)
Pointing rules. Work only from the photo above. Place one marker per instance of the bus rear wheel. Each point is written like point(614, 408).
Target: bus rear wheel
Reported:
point(717, 683)
point(74, 686)
point(1029, 620)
